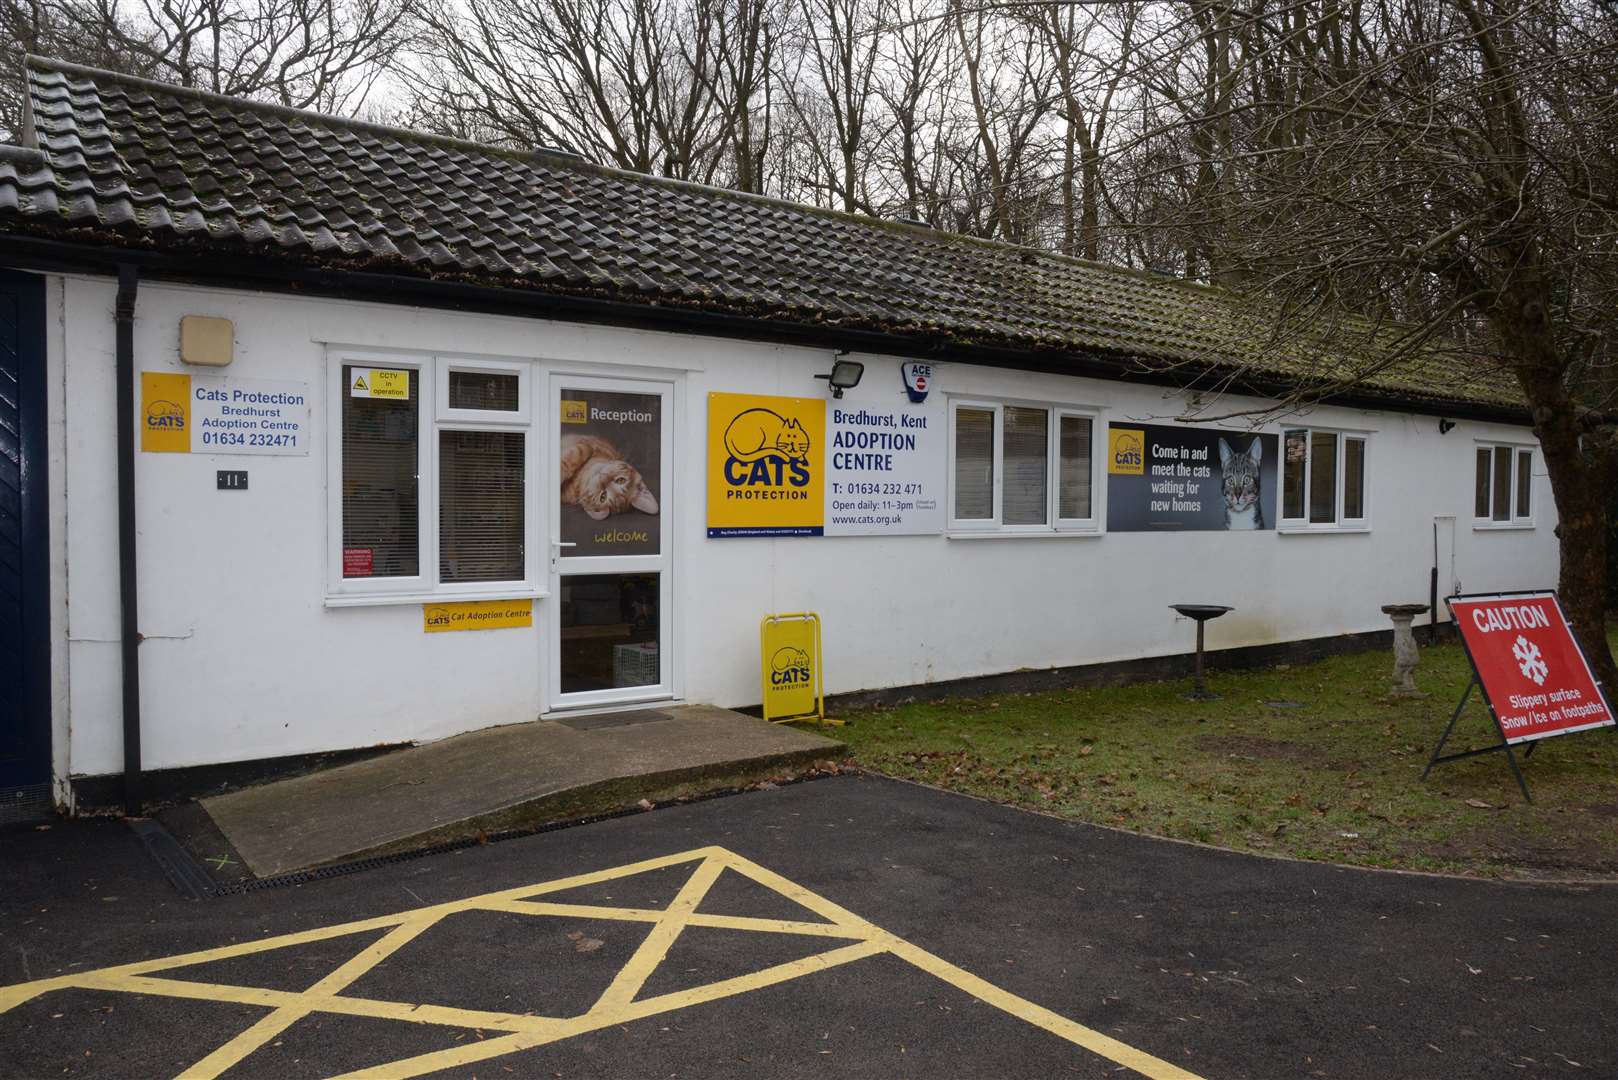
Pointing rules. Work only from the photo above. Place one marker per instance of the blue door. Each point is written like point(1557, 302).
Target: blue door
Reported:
point(25, 746)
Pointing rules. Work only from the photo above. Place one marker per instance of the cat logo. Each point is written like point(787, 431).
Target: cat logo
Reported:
point(165, 415)
point(575, 412)
point(766, 465)
point(789, 667)
point(1126, 451)
point(766, 448)
point(436, 616)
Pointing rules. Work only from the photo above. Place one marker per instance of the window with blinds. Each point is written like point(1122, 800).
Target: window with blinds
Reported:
point(974, 464)
point(1021, 468)
point(1025, 453)
point(480, 506)
point(1073, 496)
point(381, 500)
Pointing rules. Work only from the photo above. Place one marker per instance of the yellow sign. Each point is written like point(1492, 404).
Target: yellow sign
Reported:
point(766, 465)
point(380, 383)
point(575, 412)
point(1126, 451)
point(476, 615)
point(165, 412)
point(790, 673)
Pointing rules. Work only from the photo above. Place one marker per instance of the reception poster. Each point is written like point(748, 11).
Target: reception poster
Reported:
point(610, 452)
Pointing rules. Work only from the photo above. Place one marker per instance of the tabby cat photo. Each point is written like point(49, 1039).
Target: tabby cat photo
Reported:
point(1239, 483)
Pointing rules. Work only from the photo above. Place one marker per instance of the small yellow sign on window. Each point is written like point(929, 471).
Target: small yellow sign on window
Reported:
point(575, 412)
point(476, 615)
point(379, 383)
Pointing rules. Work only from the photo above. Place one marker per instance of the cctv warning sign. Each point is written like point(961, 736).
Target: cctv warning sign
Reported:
point(1530, 665)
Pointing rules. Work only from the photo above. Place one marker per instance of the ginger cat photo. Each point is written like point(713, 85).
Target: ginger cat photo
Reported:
point(597, 479)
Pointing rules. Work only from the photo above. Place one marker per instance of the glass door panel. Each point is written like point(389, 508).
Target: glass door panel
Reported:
point(610, 564)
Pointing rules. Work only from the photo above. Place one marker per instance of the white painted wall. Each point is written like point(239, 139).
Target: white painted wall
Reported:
point(243, 658)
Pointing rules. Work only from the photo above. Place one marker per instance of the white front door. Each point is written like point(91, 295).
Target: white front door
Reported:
point(611, 541)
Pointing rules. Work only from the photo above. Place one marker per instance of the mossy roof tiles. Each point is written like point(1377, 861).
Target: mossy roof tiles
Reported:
point(132, 162)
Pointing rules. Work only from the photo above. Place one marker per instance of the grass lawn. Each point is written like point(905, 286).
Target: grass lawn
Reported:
point(1312, 761)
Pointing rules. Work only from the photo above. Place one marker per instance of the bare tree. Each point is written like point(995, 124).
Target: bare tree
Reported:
point(1008, 80)
point(1450, 168)
point(321, 54)
point(840, 46)
point(1092, 50)
point(626, 82)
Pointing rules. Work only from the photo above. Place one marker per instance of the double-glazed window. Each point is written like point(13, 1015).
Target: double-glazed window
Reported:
point(1021, 468)
point(1323, 479)
point(431, 477)
point(1503, 493)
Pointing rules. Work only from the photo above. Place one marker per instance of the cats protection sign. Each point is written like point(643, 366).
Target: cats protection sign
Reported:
point(869, 464)
point(181, 413)
point(766, 465)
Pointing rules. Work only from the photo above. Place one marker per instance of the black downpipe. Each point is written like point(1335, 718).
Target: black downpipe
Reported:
point(124, 321)
point(1432, 598)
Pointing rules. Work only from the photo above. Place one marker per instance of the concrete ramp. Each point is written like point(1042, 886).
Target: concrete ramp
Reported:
point(504, 777)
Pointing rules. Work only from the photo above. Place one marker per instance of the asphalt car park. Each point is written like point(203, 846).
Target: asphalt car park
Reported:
point(849, 927)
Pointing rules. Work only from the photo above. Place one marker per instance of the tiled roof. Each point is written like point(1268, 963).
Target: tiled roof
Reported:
point(129, 162)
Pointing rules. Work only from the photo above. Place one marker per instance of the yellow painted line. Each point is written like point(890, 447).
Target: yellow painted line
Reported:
point(652, 915)
point(270, 1026)
point(16, 994)
point(617, 1004)
point(633, 975)
point(334, 1003)
point(459, 1056)
point(1022, 1008)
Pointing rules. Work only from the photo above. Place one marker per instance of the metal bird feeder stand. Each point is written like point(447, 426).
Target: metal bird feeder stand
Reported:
point(1201, 613)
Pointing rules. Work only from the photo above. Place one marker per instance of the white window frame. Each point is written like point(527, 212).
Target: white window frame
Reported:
point(1514, 521)
point(433, 416)
point(1342, 523)
point(486, 418)
point(1054, 525)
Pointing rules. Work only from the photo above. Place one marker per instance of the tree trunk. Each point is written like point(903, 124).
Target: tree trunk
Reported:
point(1579, 470)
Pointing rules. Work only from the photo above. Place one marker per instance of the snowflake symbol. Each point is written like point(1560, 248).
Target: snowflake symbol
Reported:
point(1529, 660)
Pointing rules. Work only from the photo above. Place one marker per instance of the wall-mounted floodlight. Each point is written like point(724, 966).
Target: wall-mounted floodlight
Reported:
point(845, 375)
point(1445, 426)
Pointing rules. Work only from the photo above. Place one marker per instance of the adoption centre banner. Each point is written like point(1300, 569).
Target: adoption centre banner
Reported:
point(871, 465)
point(1164, 477)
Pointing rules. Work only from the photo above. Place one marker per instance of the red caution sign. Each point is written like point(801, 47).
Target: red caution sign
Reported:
point(1532, 670)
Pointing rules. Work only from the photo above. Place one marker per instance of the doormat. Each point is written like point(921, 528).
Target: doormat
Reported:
point(627, 718)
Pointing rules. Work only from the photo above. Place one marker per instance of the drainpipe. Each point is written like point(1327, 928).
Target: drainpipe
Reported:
point(124, 323)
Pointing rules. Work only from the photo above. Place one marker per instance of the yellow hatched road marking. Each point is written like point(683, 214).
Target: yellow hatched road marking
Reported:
point(618, 1004)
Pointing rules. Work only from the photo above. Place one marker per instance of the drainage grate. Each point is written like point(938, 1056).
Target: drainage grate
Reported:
point(627, 718)
point(26, 804)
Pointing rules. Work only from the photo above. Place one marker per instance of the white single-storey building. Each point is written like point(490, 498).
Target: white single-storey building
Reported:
point(320, 436)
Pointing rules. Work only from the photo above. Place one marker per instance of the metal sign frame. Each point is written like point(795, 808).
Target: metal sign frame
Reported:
point(1505, 744)
point(764, 666)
